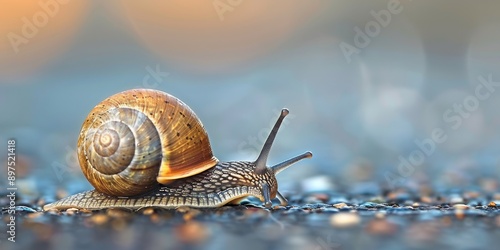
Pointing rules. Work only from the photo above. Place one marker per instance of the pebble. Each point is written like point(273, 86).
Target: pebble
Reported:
point(148, 211)
point(461, 206)
point(371, 205)
point(53, 211)
point(71, 211)
point(493, 204)
point(345, 220)
point(340, 205)
point(419, 218)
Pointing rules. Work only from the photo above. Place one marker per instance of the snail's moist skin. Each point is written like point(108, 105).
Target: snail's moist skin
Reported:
point(215, 187)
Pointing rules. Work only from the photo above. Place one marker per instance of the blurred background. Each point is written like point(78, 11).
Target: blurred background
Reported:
point(398, 93)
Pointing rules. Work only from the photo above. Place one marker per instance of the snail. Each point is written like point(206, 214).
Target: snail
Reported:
point(146, 148)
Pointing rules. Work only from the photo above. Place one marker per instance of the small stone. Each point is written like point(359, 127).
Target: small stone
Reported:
point(72, 211)
point(345, 220)
point(416, 204)
point(148, 211)
point(492, 204)
point(461, 206)
point(371, 205)
point(340, 205)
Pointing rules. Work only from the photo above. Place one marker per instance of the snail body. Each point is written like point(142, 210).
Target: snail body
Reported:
point(146, 148)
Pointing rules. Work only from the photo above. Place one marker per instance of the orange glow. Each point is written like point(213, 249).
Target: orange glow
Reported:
point(196, 36)
point(34, 32)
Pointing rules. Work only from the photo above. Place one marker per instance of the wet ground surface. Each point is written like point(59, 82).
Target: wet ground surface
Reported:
point(395, 219)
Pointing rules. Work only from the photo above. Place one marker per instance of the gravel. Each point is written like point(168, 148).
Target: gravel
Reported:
point(316, 220)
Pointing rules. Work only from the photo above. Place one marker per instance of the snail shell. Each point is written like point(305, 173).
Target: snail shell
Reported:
point(136, 139)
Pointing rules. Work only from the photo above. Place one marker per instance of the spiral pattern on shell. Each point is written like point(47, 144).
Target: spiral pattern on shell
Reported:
point(138, 138)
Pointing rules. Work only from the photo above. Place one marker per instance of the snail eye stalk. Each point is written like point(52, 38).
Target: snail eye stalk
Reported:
point(264, 153)
point(284, 165)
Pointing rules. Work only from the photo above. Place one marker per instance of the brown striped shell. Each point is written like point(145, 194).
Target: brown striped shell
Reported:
point(138, 138)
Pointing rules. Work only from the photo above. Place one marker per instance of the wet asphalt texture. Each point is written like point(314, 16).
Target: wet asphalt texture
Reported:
point(395, 219)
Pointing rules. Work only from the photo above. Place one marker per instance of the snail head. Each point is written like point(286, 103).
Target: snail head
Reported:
point(267, 174)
